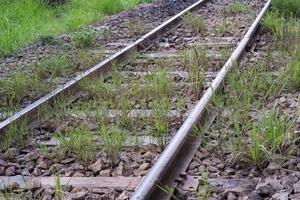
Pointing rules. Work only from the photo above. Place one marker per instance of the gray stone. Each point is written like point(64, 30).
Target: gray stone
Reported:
point(289, 180)
point(76, 196)
point(10, 171)
point(32, 156)
point(105, 172)
point(2, 163)
point(124, 196)
point(94, 197)
point(281, 196)
point(265, 189)
point(296, 187)
point(97, 166)
point(255, 196)
point(67, 160)
point(231, 196)
point(2, 170)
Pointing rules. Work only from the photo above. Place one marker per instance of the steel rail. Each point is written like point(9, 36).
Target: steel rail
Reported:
point(120, 56)
point(148, 188)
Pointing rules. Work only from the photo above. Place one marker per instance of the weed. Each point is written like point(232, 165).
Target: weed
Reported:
point(125, 108)
point(275, 23)
point(195, 56)
point(58, 189)
point(159, 84)
point(205, 191)
point(169, 191)
point(196, 78)
point(113, 142)
point(17, 87)
point(135, 27)
point(15, 134)
point(161, 110)
point(53, 67)
point(223, 27)
point(194, 21)
point(293, 75)
point(106, 33)
point(225, 53)
point(79, 143)
point(258, 154)
point(85, 38)
point(44, 150)
point(236, 7)
point(99, 89)
point(87, 59)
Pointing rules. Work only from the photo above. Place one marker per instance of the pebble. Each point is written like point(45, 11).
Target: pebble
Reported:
point(2, 163)
point(255, 196)
point(265, 189)
point(231, 196)
point(289, 180)
point(296, 187)
point(97, 166)
point(124, 196)
point(2, 170)
point(67, 161)
point(43, 164)
point(10, 171)
point(105, 172)
point(206, 162)
point(144, 166)
point(281, 196)
point(37, 172)
point(11, 153)
point(76, 196)
point(148, 155)
point(32, 156)
point(93, 197)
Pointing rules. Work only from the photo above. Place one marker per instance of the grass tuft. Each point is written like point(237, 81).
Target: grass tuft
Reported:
point(78, 143)
point(194, 21)
point(113, 142)
point(236, 7)
point(85, 38)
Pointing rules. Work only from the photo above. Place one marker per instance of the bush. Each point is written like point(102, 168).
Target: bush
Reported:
point(287, 7)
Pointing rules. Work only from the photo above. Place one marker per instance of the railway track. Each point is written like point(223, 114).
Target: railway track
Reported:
point(131, 115)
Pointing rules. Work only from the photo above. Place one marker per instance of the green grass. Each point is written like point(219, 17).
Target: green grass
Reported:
point(15, 134)
point(17, 87)
point(24, 21)
point(236, 7)
point(113, 141)
point(287, 7)
point(78, 143)
point(85, 38)
point(194, 21)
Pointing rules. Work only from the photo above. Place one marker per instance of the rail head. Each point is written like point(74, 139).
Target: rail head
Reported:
point(152, 179)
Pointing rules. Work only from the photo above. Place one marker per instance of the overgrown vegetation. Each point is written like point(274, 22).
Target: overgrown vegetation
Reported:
point(78, 143)
point(15, 134)
point(113, 142)
point(23, 21)
point(258, 136)
point(287, 7)
point(85, 38)
point(194, 21)
point(236, 7)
